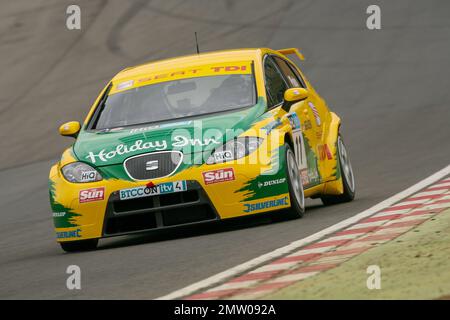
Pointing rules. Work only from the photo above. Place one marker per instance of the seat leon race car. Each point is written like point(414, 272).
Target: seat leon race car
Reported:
point(196, 139)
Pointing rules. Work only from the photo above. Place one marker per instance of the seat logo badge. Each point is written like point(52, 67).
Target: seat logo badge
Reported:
point(151, 165)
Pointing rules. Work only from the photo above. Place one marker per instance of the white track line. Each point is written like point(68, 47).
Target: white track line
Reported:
point(309, 251)
point(239, 269)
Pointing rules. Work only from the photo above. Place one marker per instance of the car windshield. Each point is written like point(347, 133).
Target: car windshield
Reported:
point(176, 99)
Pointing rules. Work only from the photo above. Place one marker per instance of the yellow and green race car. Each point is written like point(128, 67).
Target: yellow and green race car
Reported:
point(196, 139)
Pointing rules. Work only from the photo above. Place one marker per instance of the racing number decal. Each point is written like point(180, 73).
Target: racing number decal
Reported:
point(300, 154)
point(299, 145)
point(298, 149)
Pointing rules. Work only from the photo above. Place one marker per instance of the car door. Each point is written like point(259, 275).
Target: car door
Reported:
point(319, 115)
point(315, 103)
point(279, 77)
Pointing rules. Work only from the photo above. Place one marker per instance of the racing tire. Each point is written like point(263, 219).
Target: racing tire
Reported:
point(348, 179)
point(296, 193)
point(81, 245)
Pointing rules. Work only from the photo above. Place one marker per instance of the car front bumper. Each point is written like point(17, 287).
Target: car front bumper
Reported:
point(103, 214)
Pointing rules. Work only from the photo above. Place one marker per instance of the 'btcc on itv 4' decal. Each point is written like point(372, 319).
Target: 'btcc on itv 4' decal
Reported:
point(145, 191)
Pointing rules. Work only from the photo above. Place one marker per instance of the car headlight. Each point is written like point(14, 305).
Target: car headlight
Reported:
point(80, 172)
point(235, 149)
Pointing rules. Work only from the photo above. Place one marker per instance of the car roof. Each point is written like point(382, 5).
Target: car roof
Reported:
point(249, 54)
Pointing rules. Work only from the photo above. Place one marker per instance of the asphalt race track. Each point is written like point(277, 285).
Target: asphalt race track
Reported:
point(390, 86)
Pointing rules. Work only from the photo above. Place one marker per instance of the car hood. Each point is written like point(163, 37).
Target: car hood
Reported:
point(197, 135)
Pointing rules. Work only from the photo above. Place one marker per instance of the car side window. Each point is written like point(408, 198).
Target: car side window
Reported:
point(275, 84)
point(299, 76)
point(290, 73)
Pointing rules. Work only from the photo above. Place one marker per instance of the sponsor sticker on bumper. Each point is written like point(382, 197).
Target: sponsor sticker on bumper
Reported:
point(92, 194)
point(68, 234)
point(264, 205)
point(221, 175)
point(145, 191)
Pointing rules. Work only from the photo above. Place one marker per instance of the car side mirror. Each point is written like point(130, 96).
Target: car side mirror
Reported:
point(70, 129)
point(293, 95)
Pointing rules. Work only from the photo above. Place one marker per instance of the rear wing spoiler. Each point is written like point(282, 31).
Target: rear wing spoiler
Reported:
point(289, 51)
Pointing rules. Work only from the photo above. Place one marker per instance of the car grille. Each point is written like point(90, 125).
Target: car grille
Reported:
point(159, 211)
point(153, 165)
